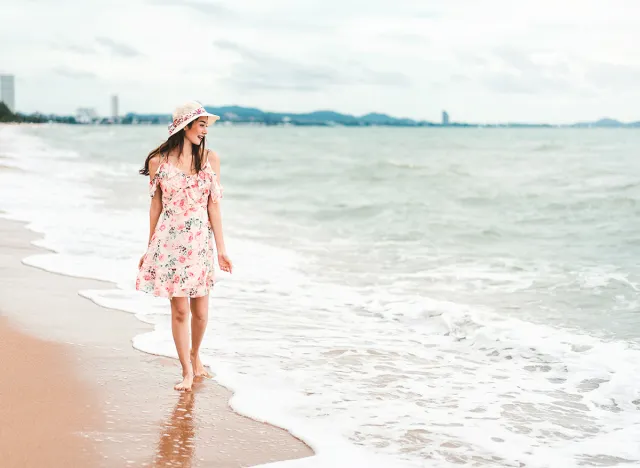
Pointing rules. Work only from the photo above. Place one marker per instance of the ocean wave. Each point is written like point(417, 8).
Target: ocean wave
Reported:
point(407, 370)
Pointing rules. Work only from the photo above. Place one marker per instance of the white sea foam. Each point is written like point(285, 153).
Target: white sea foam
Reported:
point(369, 376)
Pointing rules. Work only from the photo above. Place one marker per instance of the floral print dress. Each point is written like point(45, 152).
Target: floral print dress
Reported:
point(180, 259)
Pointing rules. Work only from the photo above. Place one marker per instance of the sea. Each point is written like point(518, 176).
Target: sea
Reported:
point(401, 297)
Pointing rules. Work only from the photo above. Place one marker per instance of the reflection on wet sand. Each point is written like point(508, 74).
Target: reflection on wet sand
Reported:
point(177, 438)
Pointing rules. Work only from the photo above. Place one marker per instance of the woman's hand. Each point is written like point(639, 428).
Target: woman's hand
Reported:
point(225, 262)
point(141, 260)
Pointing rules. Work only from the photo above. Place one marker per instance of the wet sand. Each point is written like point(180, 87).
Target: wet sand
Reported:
point(38, 378)
point(81, 389)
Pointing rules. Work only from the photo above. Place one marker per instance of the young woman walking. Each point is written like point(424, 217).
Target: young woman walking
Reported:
point(185, 222)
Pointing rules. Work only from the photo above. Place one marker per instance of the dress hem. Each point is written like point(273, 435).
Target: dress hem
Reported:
point(171, 296)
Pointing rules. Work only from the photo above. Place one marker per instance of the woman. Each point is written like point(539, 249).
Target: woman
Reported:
point(184, 220)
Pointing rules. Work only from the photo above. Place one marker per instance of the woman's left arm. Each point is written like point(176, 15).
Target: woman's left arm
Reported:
point(215, 218)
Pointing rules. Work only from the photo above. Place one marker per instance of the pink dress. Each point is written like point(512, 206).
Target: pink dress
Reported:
point(180, 259)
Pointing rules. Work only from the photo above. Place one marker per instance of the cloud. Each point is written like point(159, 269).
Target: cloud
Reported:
point(507, 70)
point(75, 48)
point(614, 76)
point(515, 59)
point(262, 70)
point(531, 83)
point(482, 61)
point(404, 37)
point(75, 74)
point(201, 6)
point(118, 48)
point(471, 58)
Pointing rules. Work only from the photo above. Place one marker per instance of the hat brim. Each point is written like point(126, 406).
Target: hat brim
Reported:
point(211, 119)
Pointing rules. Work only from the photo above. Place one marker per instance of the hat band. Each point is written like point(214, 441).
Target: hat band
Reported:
point(185, 118)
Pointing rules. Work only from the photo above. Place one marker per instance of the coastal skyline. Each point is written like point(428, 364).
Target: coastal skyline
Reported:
point(482, 63)
point(252, 115)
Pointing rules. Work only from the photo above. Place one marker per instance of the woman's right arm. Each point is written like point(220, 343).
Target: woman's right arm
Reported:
point(156, 202)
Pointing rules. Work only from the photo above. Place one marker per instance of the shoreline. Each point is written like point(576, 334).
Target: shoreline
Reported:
point(141, 420)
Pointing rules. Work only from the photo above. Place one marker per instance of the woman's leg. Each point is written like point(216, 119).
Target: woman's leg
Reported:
point(180, 330)
point(199, 319)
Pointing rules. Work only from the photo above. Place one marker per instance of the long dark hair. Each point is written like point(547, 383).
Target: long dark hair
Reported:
point(176, 141)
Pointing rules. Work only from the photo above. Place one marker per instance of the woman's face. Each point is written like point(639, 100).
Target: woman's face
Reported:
point(197, 131)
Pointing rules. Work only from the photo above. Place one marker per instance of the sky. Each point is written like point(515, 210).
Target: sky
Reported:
point(556, 61)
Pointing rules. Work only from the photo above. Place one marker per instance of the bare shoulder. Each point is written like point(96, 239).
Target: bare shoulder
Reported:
point(213, 157)
point(214, 160)
point(154, 163)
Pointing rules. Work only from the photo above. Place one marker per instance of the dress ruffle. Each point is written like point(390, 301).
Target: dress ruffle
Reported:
point(216, 190)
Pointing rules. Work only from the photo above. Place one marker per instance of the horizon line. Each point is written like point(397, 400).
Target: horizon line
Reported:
point(356, 116)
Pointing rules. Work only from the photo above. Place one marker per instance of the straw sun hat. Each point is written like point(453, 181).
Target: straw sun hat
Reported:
point(188, 112)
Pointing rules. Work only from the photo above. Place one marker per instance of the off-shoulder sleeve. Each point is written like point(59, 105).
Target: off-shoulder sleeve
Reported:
point(216, 190)
point(153, 184)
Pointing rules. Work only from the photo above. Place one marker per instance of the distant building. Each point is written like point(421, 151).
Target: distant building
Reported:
point(8, 91)
point(114, 108)
point(86, 115)
point(445, 118)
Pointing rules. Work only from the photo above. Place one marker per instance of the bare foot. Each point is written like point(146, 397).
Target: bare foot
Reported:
point(185, 385)
point(198, 368)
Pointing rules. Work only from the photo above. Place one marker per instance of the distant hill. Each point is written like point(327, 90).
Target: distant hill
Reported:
point(320, 117)
point(235, 111)
point(606, 123)
point(239, 114)
point(376, 118)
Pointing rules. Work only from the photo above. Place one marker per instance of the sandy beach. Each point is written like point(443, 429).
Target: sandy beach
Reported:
point(74, 392)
